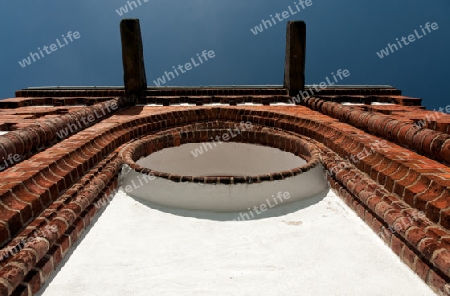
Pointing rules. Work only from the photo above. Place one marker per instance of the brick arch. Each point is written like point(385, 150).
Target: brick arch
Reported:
point(64, 188)
point(344, 143)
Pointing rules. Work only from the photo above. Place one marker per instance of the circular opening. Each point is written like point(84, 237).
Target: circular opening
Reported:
point(255, 168)
point(224, 159)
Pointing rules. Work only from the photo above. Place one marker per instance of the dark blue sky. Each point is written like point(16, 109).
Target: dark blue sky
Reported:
point(342, 34)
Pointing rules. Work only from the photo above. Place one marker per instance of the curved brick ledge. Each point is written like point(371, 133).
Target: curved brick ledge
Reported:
point(78, 178)
point(430, 143)
point(323, 132)
point(338, 137)
point(299, 146)
point(29, 187)
point(398, 170)
point(30, 140)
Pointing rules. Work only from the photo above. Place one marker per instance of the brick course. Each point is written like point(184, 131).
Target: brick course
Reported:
point(400, 190)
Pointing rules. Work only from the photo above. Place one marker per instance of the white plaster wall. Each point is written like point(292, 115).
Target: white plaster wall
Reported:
point(316, 247)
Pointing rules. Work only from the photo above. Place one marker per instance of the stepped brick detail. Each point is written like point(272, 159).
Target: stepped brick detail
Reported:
point(400, 189)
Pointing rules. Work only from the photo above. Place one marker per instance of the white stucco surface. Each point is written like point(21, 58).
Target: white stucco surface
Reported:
point(313, 247)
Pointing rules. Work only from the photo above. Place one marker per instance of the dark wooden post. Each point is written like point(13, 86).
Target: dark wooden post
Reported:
point(133, 59)
point(294, 68)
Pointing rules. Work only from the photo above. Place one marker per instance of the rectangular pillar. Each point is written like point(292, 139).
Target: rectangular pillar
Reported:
point(294, 68)
point(133, 59)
